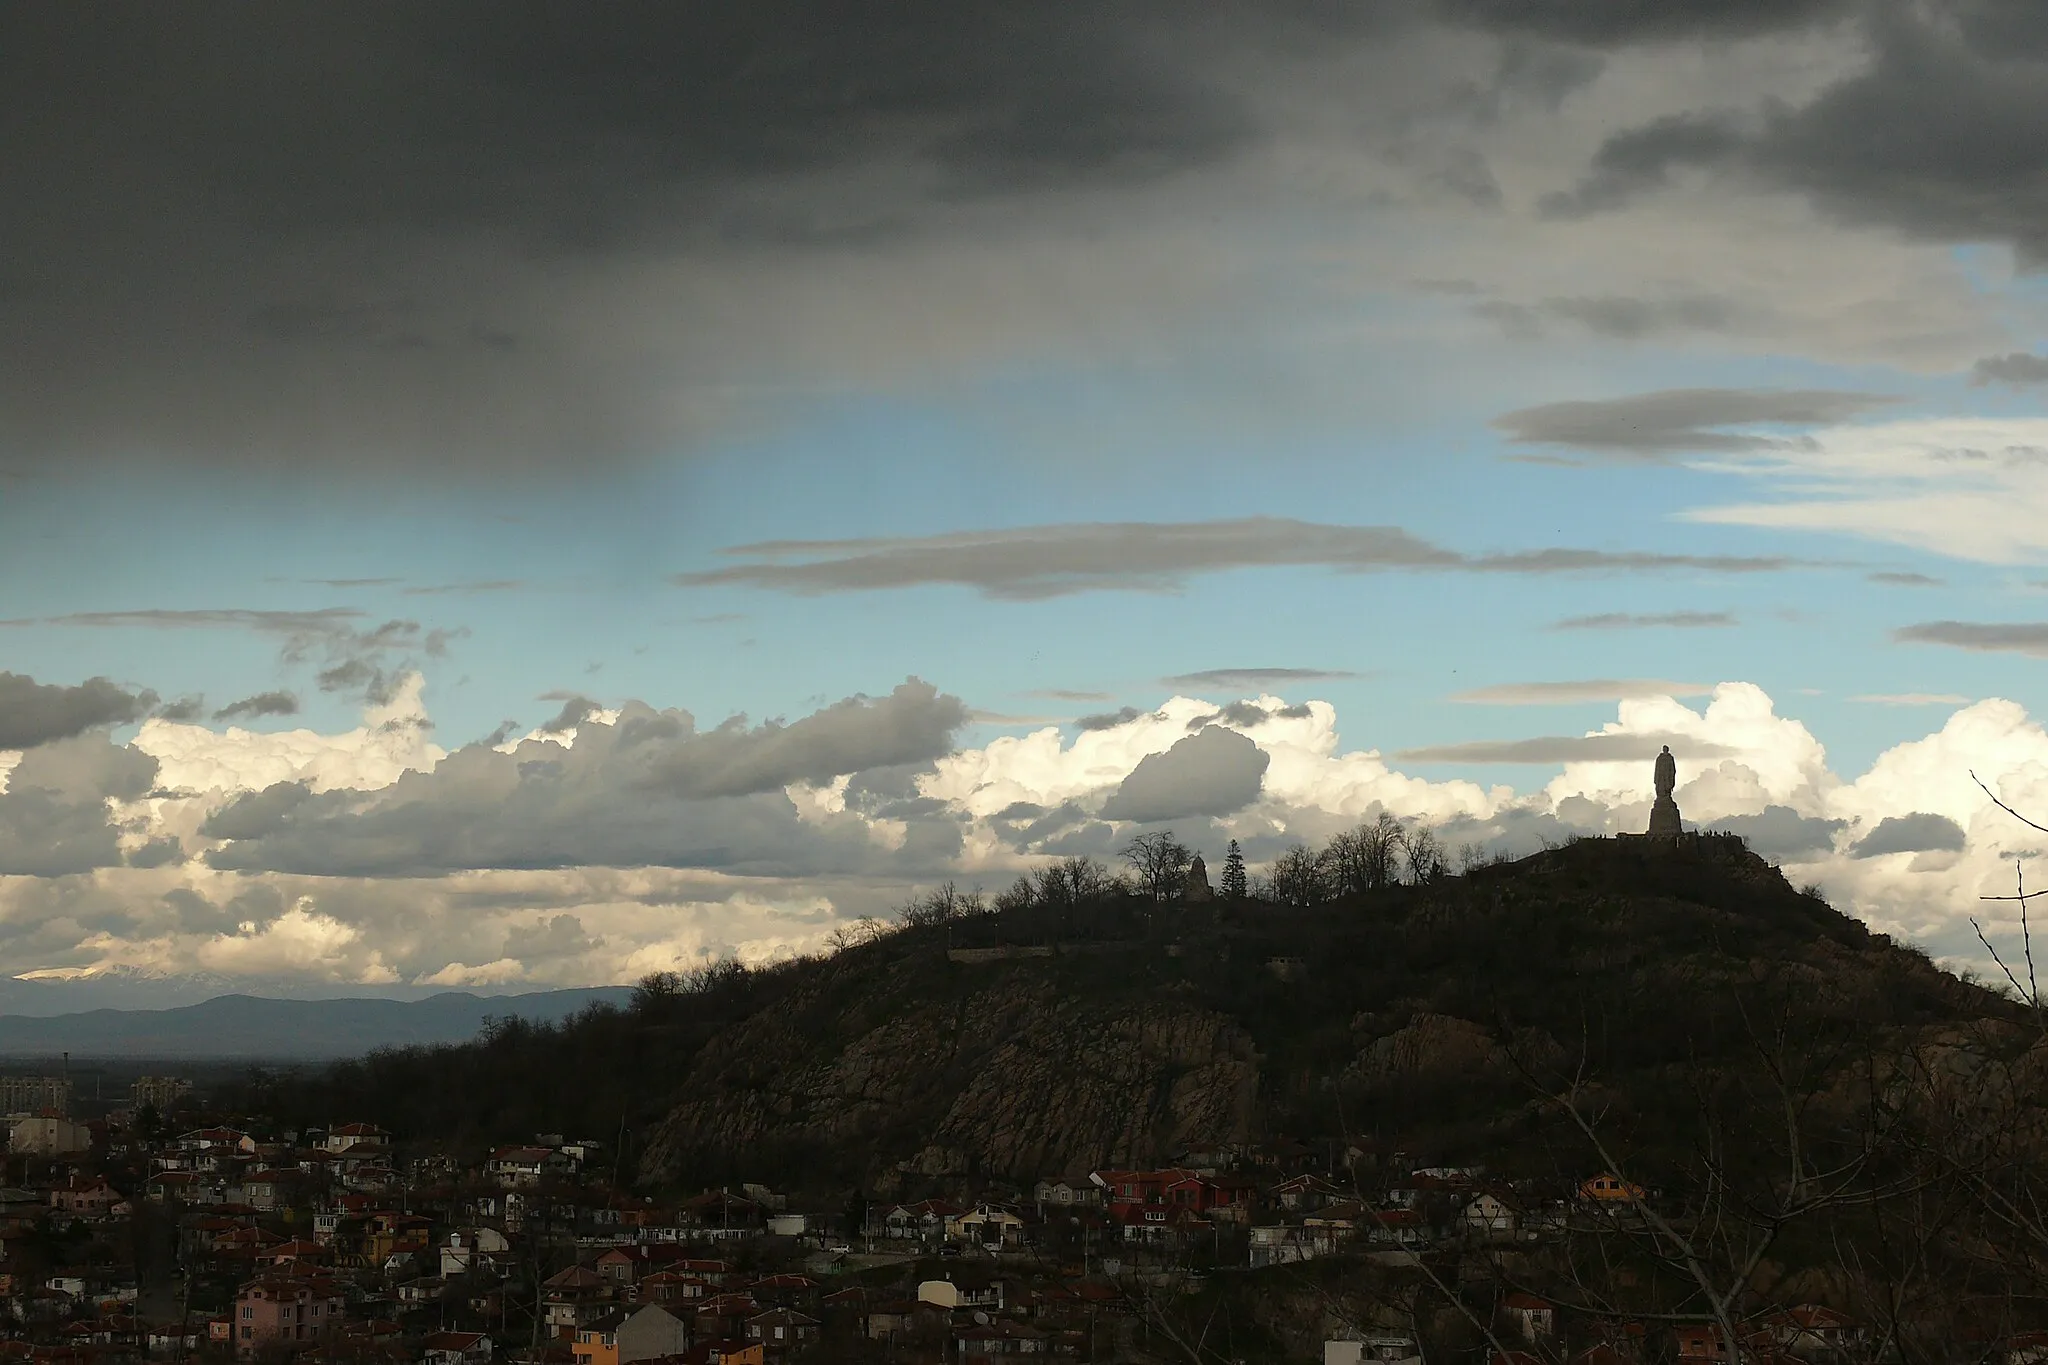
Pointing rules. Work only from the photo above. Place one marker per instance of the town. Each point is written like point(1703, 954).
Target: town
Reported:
point(166, 1232)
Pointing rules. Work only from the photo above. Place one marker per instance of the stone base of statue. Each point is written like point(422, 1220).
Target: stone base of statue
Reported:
point(1664, 820)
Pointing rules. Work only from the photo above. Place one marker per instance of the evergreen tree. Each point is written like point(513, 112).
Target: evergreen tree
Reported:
point(1234, 887)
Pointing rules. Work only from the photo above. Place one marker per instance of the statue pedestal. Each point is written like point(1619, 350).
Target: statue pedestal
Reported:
point(1664, 820)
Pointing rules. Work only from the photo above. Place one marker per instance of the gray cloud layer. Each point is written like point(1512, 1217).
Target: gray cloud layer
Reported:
point(1582, 690)
point(367, 661)
point(1037, 562)
point(2020, 369)
point(2019, 637)
point(1677, 421)
point(33, 713)
point(1247, 678)
point(279, 703)
point(651, 790)
point(1564, 749)
point(1622, 620)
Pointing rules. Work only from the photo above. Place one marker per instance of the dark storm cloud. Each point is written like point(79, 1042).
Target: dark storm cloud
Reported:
point(1676, 421)
point(33, 713)
point(1564, 749)
point(1614, 22)
point(54, 817)
point(1621, 620)
point(1109, 720)
point(2020, 368)
point(1641, 159)
point(158, 853)
point(1943, 135)
point(1781, 832)
point(1919, 832)
point(255, 814)
point(318, 234)
point(1212, 773)
point(2017, 637)
point(222, 221)
point(1037, 562)
point(278, 703)
point(650, 790)
point(575, 710)
point(368, 660)
point(1616, 316)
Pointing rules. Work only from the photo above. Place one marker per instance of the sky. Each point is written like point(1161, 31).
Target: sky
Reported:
point(506, 497)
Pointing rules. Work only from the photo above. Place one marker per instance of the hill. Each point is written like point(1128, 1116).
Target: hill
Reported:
point(1048, 1037)
point(257, 1028)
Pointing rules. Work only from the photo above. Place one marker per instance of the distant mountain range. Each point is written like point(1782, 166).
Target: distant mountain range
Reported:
point(250, 1027)
point(134, 988)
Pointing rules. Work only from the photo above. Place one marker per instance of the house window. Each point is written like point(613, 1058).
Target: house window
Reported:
point(248, 1312)
point(248, 1332)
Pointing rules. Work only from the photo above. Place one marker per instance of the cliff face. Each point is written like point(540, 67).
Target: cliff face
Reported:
point(1006, 1076)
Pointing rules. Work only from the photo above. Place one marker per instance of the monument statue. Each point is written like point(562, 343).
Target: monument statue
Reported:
point(1664, 818)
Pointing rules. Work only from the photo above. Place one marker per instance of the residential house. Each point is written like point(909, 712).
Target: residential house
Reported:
point(987, 1225)
point(48, 1134)
point(473, 1249)
point(1609, 1188)
point(1490, 1216)
point(1535, 1319)
point(352, 1135)
point(999, 1339)
point(85, 1197)
point(785, 1290)
point(968, 1287)
point(455, 1348)
point(1061, 1194)
point(271, 1190)
point(620, 1338)
point(1809, 1330)
point(1380, 1349)
point(1701, 1343)
point(1304, 1192)
point(216, 1140)
point(574, 1298)
point(673, 1287)
point(281, 1310)
point(1280, 1244)
point(724, 1316)
point(525, 1167)
point(782, 1331)
point(924, 1221)
point(1405, 1229)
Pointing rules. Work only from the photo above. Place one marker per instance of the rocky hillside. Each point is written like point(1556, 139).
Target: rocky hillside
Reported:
point(1425, 1018)
point(1422, 1015)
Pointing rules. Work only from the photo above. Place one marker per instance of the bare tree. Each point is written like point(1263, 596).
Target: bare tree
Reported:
point(942, 905)
point(1297, 877)
point(1160, 863)
point(1424, 854)
point(1364, 859)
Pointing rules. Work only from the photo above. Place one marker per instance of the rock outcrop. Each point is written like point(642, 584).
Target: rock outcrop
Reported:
point(1011, 1079)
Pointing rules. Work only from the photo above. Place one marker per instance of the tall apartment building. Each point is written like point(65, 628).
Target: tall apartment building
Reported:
point(34, 1094)
point(161, 1093)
